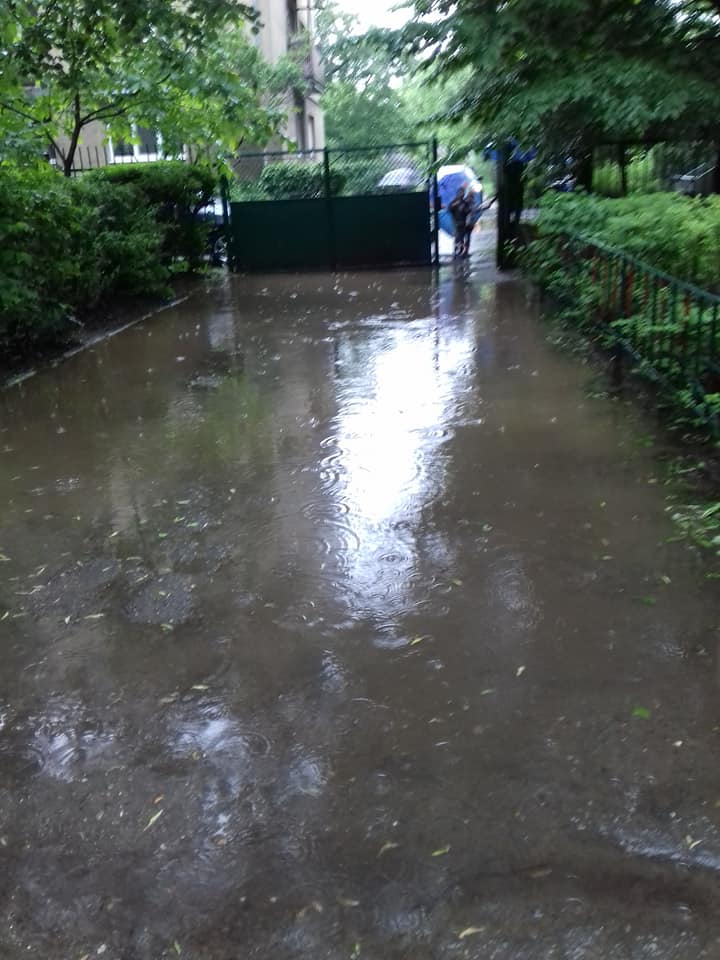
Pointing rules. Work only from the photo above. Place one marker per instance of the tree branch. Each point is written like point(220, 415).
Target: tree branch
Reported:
point(21, 113)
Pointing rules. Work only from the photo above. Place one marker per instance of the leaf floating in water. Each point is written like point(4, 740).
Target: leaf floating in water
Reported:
point(153, 819)
point(441, 852)
point(390, 845)
point(416, 640)
point(520, 671)
point(470, 932)
point(642, 713)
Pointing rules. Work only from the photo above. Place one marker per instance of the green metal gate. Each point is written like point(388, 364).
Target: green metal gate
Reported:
point(334, 209)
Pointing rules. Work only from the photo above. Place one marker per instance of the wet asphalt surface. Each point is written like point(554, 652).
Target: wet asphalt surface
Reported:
point(337, 621)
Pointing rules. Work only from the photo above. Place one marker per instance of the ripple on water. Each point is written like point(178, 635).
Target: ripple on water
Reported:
point(62, 744)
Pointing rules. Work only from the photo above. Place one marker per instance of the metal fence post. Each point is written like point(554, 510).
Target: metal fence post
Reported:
point(224, 197)
point(436, 203)
point(330, 211)
point(503, 214)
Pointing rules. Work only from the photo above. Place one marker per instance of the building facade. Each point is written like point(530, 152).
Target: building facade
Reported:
point(287, 25)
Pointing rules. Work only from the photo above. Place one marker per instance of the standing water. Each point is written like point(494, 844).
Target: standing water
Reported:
point(336, 622)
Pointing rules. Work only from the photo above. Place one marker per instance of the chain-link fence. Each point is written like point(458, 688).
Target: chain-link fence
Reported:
point(336, 172)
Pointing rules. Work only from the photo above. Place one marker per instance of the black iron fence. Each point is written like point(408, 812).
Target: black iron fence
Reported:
point(670, 329)
point(688, 168)
point(684, 167)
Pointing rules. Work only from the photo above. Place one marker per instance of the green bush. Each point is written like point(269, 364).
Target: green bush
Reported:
point(65, 245)
point(176, 192)
point(294, 180)
point(361, 175)
point(671, 333)
point(678, 235)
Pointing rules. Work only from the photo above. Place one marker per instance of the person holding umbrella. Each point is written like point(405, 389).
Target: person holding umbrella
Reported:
point(461, 209)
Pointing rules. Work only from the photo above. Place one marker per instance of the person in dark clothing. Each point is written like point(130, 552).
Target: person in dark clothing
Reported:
point(460, 209)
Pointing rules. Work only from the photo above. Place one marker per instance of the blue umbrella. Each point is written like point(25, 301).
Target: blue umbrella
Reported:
point(450, 179)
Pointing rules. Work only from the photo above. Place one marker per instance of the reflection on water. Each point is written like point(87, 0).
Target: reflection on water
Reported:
point(320, 635)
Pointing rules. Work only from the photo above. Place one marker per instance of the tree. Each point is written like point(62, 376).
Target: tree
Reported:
point(188, 70)
point(571, 74)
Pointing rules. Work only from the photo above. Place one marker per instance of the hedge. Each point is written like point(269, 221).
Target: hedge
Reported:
point(68, 244)
point(177, 192)
point(678, 235)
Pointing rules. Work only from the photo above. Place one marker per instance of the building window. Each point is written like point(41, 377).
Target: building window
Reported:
point(300, 121)
point(292, 16)
point(147, 147)
point(312, 143)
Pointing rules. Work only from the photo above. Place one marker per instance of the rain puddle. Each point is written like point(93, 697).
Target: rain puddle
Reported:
point(337, 621)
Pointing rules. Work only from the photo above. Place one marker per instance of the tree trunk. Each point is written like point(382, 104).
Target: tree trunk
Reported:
point(585, 170)
point(622, 163)
point(74, 139)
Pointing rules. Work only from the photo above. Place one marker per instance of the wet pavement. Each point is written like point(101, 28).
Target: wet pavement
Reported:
point(337, 621)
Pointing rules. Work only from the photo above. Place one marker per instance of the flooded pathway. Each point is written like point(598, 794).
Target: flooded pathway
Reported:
point(337, 623)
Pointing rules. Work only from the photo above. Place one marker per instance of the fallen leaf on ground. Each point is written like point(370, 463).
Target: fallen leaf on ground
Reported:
point(345, 902)
point(457, 583)
point(153, 819)
point(487, 692)
point(520, 671)
point(441, 852)
point(469, 932)
point(177, 948)
point(641, 713)
point(540, 873)
point(387, 846)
